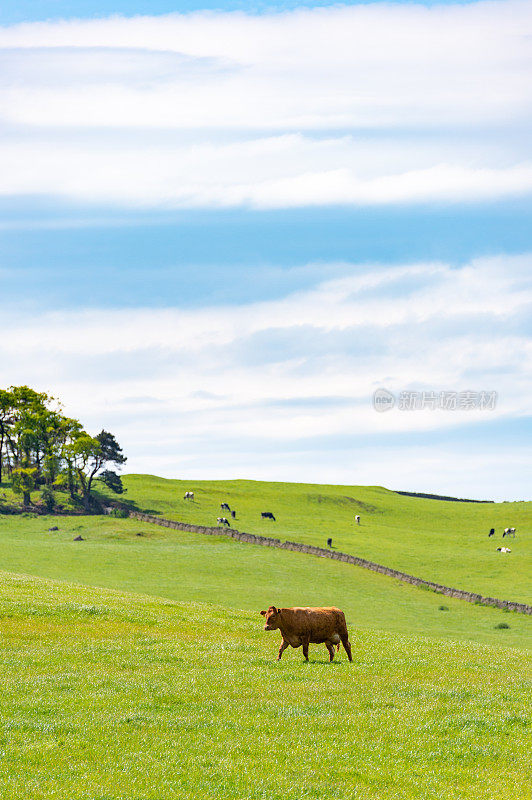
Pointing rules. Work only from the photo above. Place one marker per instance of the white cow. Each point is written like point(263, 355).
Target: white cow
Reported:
point(504, 550)
point(357, 519)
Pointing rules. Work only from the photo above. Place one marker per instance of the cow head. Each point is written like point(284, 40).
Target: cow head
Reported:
point(272, 618)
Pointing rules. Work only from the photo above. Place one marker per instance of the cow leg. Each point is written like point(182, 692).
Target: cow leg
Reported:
point(330, 648)
point(347, 646)
point(284, 645)
point(305, 648)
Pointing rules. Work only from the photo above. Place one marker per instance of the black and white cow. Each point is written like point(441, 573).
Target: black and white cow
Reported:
point(225, 507)
point(222, 521)
point(189, 496)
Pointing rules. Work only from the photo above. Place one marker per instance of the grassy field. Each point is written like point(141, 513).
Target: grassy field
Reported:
point(191, 568)
point(110, 696)
point(446, 542)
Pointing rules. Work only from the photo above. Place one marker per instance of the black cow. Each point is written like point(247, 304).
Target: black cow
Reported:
point(233, 514)
point(225, 506)
point(267, 515)
point(491, 533)
point(329, 542)
point(222, 521)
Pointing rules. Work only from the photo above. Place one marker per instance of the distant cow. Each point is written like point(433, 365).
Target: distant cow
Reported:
point(267, 515)
point(222, 521)
point(329, 542)
point(357, 519)
point(189, 496)
point(509, 532)
point(233, 514)
point(492, 531)
point(302, 626)
point(225, 506)
point(504, 550)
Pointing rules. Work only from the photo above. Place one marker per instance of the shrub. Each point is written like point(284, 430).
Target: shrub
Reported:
point(443, 608)
point(502, 626)
point(48, 499)
point(119, 513)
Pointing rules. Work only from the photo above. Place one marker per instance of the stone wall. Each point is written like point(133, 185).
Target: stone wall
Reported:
point(322, 552)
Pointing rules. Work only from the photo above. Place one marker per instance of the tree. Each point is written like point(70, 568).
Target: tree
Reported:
point(41, 447)
point(6, 420)
point(71, 430)
point(112, 481)
point(91, 455)
point(24, 482)
point(27, 428)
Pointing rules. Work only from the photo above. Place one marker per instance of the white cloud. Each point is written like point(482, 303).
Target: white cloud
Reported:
point(219, 109)
point(410, 327)
point(347, 66)
point(283, 389)
point(266, 173)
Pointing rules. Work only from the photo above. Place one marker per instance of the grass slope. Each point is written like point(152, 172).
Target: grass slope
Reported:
point(107, 696)
point(446, 542)
point(191, 567)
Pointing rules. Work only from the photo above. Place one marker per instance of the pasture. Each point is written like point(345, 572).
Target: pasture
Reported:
point(114, 696)
point(194, 568)
point(446, 542)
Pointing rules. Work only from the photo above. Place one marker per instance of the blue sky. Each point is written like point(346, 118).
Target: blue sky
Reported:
point(31, 10)
point(221, 233)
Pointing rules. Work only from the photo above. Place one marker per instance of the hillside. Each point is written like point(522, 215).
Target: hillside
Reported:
point(446, 542)
point(117, 696)
point(136, 557)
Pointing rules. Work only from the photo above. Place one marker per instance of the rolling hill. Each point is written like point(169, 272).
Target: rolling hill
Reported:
point(136, 557)
point(446, 542)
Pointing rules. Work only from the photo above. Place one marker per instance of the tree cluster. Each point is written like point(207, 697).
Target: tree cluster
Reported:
point(41, 448)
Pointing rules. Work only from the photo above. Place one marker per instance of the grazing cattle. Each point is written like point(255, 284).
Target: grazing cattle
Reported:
point(189, 496)
point(225, 507)
point(492, 531)
point(222, 521)
point(233, 514)
point(329, 542)
point(357, 519)
point(267, 515)
point(302, 626)
point(504, 550)
point(509, 532)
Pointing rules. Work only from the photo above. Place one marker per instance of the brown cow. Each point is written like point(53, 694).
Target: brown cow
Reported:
point(300, 626)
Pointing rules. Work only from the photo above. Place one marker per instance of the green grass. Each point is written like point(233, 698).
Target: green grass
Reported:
point(195, 568)
point(445, 542)
point(10, 500)
point(109, 696)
